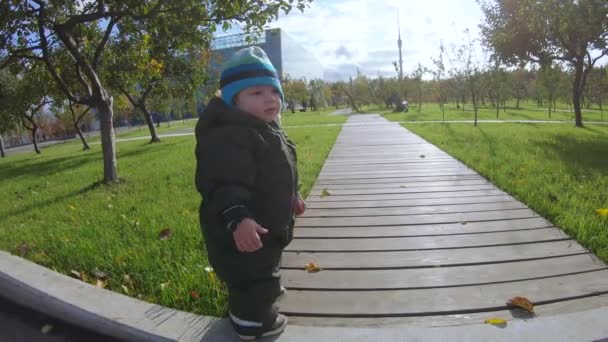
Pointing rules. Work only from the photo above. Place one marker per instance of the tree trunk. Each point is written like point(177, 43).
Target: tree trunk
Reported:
point(35, 139)
point(550, 101)
point(3, 152)
point(108, 145)
point(517, 105)
point(151, 127)
point(497, 106)
point(457, 103)
point(84, 141)
point(577, 92)
point(600, 103)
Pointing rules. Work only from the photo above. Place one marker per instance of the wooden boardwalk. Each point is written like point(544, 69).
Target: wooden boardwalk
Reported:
point(409, 232)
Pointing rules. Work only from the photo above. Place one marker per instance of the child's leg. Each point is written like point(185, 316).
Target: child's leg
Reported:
point(252, 296)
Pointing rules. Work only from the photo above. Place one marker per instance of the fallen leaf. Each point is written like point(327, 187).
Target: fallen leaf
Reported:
point(110, 206)
point(72, 207)
point(422, 156)
point(403, 186)
point(602, 211)
point(194, 294)
point(46, 328)
point(23, 249)
point(164, 285)
point(101, 284)
point(76, 274)
point(164, 234)
point(521, 302)
point(325, 192)
point(124, 288)
point(464, 223)
point(99, 274)
point(495, 321)
point(209, 269)
point(126, 280)
point(311, 267)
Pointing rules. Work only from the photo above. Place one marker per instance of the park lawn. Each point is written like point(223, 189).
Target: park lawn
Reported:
point(527, 111)
point(318, 117)
point(559, 171)
point(53, 214)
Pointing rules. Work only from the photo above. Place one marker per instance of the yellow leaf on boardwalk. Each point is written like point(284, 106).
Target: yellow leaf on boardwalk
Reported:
point(311, 267)
point(602, 211)
point(495, 321)
point(325, 192)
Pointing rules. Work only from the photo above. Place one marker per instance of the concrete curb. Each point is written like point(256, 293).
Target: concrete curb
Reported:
point(100, 310)
point(126, 318)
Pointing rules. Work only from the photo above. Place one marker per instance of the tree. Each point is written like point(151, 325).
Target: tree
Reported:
point(145, 65)
point(39, 29)
point(417, 77)
point(8, 119)
point(598, 87)
point(438, 74)
point(572, 31)
point(295, 91)
point(549, 76)
point(519, 84)
point(469, 71)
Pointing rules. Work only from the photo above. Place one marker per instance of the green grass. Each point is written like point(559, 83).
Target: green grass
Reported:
point(527, 111)
point(51, 205)
point(559, 171)
point(318, 117)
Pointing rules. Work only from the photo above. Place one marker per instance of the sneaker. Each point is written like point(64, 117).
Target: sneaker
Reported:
point(282, 293)
point(249, 333)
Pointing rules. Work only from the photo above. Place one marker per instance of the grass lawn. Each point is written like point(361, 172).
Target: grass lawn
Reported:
point(527, 111)
point(52, 214)
point(559, 171)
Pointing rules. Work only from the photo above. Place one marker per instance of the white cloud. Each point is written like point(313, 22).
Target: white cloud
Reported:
point(348, 34)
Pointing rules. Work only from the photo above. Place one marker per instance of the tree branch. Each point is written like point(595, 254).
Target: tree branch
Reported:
point(82, 81)
point(128, 97)
point(106, 36)
point(46, 57)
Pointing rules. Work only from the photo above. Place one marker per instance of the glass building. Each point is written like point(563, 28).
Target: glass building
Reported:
point(287, 56)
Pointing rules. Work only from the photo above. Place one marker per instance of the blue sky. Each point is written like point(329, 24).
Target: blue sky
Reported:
point(348, 34)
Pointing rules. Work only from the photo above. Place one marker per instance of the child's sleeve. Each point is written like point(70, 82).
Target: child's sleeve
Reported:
point(225, 177)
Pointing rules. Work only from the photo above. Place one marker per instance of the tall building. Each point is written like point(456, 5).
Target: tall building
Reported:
point(287, 56)
point(399, 44)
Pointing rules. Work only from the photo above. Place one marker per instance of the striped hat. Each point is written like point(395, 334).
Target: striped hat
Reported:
point(248, 67)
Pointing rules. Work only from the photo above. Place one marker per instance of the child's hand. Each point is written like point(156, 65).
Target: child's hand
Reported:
point(247, 235)
point(299, 205)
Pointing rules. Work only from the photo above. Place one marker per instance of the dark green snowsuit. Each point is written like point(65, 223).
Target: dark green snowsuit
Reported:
point(245, 168)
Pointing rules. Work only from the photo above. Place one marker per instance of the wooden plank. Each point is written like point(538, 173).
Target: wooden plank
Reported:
point(420, 230)
point(407, 190)
point(424, 242)
point(414, 219)
point(419, 210)
point(403, 180)
point(401, 184)
point(409, 202)
point(394, 174)
point(393, 167)
point(431, 258)
point(434, 277)
point(395, 162)
point(421, 195)
point(443, 300)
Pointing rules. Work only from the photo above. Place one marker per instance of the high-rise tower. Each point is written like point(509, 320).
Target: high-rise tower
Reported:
point(399, 44)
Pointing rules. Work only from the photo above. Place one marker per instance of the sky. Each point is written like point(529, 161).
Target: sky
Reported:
point(348, 34)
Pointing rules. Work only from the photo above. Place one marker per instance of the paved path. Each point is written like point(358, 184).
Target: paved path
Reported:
point(409, 234)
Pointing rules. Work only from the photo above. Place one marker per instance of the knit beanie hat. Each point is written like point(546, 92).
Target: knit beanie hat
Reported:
point(246, 68)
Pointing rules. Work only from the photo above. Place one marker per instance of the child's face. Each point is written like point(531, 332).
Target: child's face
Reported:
point(263, 102)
